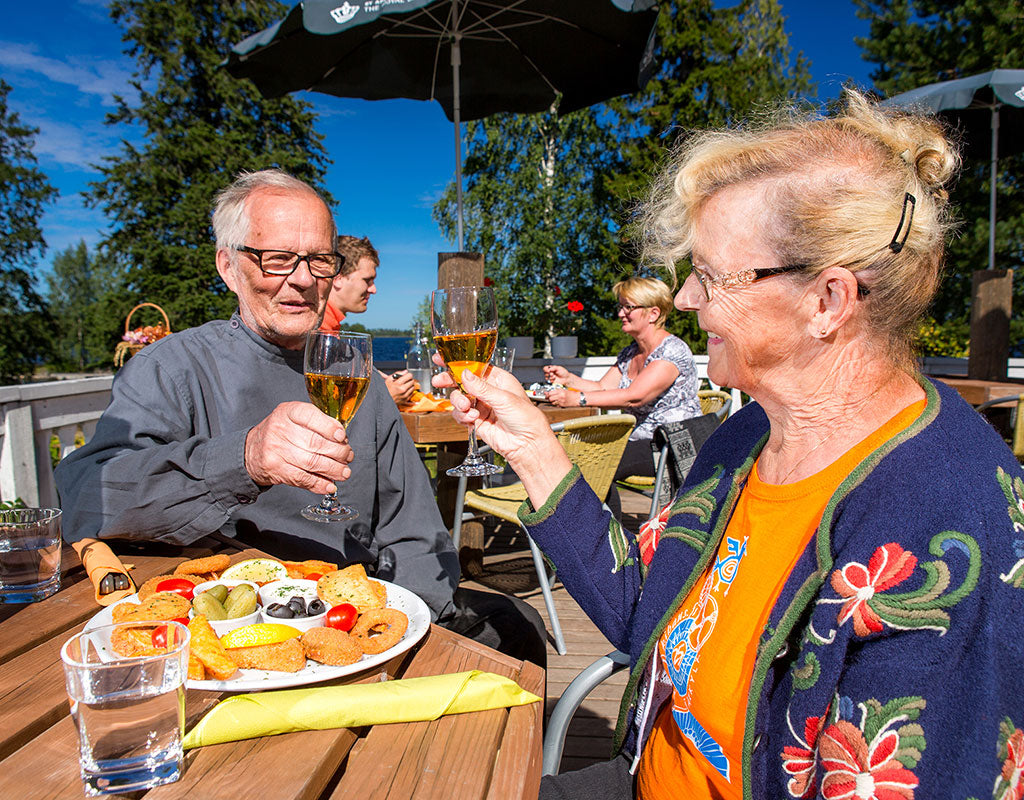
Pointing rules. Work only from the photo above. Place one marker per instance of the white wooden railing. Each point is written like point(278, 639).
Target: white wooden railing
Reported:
point(32, 415)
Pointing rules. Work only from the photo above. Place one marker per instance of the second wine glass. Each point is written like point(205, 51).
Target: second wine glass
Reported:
point(464, 320)
point(337, 369)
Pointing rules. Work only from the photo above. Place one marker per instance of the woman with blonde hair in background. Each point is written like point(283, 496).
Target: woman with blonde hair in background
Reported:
point(831, 606)
point(654, 377)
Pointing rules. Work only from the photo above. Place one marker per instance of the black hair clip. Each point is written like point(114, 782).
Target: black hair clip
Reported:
point(897, 244)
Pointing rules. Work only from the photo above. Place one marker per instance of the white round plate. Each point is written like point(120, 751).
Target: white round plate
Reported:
point(255, 680)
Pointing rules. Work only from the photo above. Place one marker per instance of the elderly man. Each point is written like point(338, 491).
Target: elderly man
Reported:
point(210, 430)
point(351, 293)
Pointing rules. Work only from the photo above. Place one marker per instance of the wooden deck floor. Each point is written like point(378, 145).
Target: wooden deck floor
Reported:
point(507, 566)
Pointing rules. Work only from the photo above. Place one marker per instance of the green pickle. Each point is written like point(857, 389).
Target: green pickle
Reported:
point(220, 591)
point(209, 606)
point(241, 601)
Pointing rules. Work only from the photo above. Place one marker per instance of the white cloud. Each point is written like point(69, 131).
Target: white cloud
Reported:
point(92, 76)
point(78, 146)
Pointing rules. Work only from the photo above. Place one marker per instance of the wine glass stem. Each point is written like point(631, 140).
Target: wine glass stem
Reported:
point(329, 503)
point(473, 456)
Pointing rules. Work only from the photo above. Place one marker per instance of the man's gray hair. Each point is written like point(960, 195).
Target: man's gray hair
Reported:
point(230, 218)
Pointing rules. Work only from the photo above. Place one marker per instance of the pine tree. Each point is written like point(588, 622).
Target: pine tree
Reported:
point(917, 42)
point(24, 191)
point(201, 127)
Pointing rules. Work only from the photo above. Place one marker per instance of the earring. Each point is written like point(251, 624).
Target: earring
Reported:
point(822, 332)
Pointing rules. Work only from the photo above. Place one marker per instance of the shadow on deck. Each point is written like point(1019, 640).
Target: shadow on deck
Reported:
point(507, 567)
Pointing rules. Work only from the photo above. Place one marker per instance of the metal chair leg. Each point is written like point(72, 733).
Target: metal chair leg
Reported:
point(460, 507)
point(545, 589)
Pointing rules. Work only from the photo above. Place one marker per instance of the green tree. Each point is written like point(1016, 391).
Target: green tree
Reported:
point(535, 204)
point(916, 42)
point(200, 128)
point(24, 191)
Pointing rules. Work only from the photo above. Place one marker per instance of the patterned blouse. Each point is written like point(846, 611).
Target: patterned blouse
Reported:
point(677, 402)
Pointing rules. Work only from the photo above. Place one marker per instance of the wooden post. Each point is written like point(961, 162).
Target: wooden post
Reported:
point(992, 292)
point(460, 269)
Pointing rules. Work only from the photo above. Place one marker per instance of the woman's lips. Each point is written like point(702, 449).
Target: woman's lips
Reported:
point(713, 339)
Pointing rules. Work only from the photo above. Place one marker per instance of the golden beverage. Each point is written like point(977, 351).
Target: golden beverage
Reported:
point(337, 396)
point(462, 351)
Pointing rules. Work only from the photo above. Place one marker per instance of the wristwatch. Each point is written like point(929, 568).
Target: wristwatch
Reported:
point(583, 399)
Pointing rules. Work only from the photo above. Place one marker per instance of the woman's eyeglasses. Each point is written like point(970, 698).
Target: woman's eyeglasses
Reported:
point(745, 277)
point(629, 308)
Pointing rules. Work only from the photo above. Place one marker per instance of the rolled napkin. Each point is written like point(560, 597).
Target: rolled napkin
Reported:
point(99, 561)
point(246, 716)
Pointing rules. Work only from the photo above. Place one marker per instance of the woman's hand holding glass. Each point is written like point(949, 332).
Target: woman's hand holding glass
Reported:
point(513, 426)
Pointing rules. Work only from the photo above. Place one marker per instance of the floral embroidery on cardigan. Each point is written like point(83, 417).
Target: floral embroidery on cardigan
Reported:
point(874, 758)
point(1010, 783)
point(863, 588)
point(1014, 492)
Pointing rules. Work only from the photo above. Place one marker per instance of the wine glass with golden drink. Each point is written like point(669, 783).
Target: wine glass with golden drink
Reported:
point(337, 368)
point(464, 320)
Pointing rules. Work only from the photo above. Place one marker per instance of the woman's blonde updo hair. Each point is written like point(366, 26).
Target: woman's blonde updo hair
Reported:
point(646, 292)
point(834, 192)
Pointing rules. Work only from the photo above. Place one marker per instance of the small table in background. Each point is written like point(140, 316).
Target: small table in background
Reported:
point(976, 391)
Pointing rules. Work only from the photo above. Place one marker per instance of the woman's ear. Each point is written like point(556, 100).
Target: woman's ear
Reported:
point(835, 298)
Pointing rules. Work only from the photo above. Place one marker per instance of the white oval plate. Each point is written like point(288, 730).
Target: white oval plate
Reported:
point(255, 680)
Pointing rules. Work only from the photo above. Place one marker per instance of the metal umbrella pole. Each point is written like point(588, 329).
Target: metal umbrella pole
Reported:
point(456, 63)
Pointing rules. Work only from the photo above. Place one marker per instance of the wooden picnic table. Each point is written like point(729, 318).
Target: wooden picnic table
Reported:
point(488, 754)
point(976, 391)
point(439, 427)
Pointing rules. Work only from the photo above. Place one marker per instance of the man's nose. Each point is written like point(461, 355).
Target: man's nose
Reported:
point(689, 294)
point(302, 275)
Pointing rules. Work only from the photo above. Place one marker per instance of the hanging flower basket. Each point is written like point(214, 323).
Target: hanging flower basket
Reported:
point(137, 338)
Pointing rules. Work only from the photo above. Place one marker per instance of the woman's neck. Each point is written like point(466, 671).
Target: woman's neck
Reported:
point(818, 420)
point(647, 340)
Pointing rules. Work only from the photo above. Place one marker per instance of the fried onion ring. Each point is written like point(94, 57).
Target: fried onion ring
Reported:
point(331, 646)
point(379, 629)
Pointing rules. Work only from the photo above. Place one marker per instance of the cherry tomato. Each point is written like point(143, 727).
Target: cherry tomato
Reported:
point(159, 634)
point(342, 617)
point(177, 586)
point(314, 576)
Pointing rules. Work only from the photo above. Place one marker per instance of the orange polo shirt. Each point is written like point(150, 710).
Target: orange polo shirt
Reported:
point(695, 749)
point(332, 319)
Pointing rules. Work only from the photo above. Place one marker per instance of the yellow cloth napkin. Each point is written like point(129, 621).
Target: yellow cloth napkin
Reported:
point(247, 716)
point(99, 560)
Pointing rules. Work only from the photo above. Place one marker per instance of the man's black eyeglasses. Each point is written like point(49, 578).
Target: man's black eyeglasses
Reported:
point(285, 262)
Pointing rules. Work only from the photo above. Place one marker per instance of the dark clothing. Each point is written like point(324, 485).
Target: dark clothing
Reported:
point(607, 780)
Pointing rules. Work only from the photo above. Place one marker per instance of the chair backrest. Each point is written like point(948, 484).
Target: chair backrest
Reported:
point(715, 401)
point(595, 445)
point(1017, 441)
point(677, 444)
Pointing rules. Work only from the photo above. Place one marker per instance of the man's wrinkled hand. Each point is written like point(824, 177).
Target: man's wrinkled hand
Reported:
point(298, 445)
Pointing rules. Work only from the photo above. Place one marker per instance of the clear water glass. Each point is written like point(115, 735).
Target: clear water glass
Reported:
point(29, 554)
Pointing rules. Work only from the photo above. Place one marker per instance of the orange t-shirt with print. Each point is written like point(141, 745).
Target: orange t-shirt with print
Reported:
point(708, 648)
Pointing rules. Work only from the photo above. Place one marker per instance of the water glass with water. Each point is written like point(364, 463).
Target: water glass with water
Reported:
point(29, 554)
point(129, 710)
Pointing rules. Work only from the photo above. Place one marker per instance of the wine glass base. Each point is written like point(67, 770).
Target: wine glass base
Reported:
point(474, 470)
point(340, 514)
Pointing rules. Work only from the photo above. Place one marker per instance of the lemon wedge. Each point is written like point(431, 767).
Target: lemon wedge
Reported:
point(257, 570)
point(259, 633)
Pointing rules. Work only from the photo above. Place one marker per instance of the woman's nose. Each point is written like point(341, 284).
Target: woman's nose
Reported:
point(689, 294)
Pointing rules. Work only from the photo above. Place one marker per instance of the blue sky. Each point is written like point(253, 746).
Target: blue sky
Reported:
point(63, 59)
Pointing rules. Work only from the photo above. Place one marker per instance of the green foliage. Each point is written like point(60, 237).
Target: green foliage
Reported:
point(943, 338)
point(9, 505)
point(24, 191)
point(201, 128)
point(916, 42)
point(537, 208)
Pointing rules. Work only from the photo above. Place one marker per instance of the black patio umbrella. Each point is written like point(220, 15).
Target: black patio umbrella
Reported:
point(516, 55)
point(988, 107)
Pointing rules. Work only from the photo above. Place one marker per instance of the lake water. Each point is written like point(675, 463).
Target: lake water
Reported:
point(390, 348)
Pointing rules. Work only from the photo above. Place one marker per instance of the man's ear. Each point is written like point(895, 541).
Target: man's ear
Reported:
point(225, 269)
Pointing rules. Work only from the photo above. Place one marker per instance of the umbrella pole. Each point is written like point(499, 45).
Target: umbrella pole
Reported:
point(456, 63)
point(992, 192)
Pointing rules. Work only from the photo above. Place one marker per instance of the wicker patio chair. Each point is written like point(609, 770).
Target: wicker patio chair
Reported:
point(595, 445)
point(715, 401)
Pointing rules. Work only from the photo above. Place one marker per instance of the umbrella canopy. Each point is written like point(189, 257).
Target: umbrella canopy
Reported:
point(475, 57)
point(989, 110)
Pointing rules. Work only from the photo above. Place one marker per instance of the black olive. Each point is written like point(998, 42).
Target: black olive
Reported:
point(280, 611)
point(316, 607)
point(298, 606)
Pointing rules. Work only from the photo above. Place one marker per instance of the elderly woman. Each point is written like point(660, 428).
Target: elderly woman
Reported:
point(831, 606)
point(654, 378)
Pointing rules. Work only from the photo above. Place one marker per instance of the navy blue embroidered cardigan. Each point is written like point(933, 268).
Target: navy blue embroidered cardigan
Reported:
point(892, 663)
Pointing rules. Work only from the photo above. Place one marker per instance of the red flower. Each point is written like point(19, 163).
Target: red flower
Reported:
point(558, 292)
point(575, 306)
point(488, 282)
point(889, 565)
point(650, 534)
point(1013, 767)
point(799, 761)
point(855, 769)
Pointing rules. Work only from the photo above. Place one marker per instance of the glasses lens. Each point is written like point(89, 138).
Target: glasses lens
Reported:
point(278, 262)
point(324, 265)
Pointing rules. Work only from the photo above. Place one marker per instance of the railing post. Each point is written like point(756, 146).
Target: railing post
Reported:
point(18, 456)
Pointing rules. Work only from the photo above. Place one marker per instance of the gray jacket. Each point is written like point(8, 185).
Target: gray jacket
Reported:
point(167, 463)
